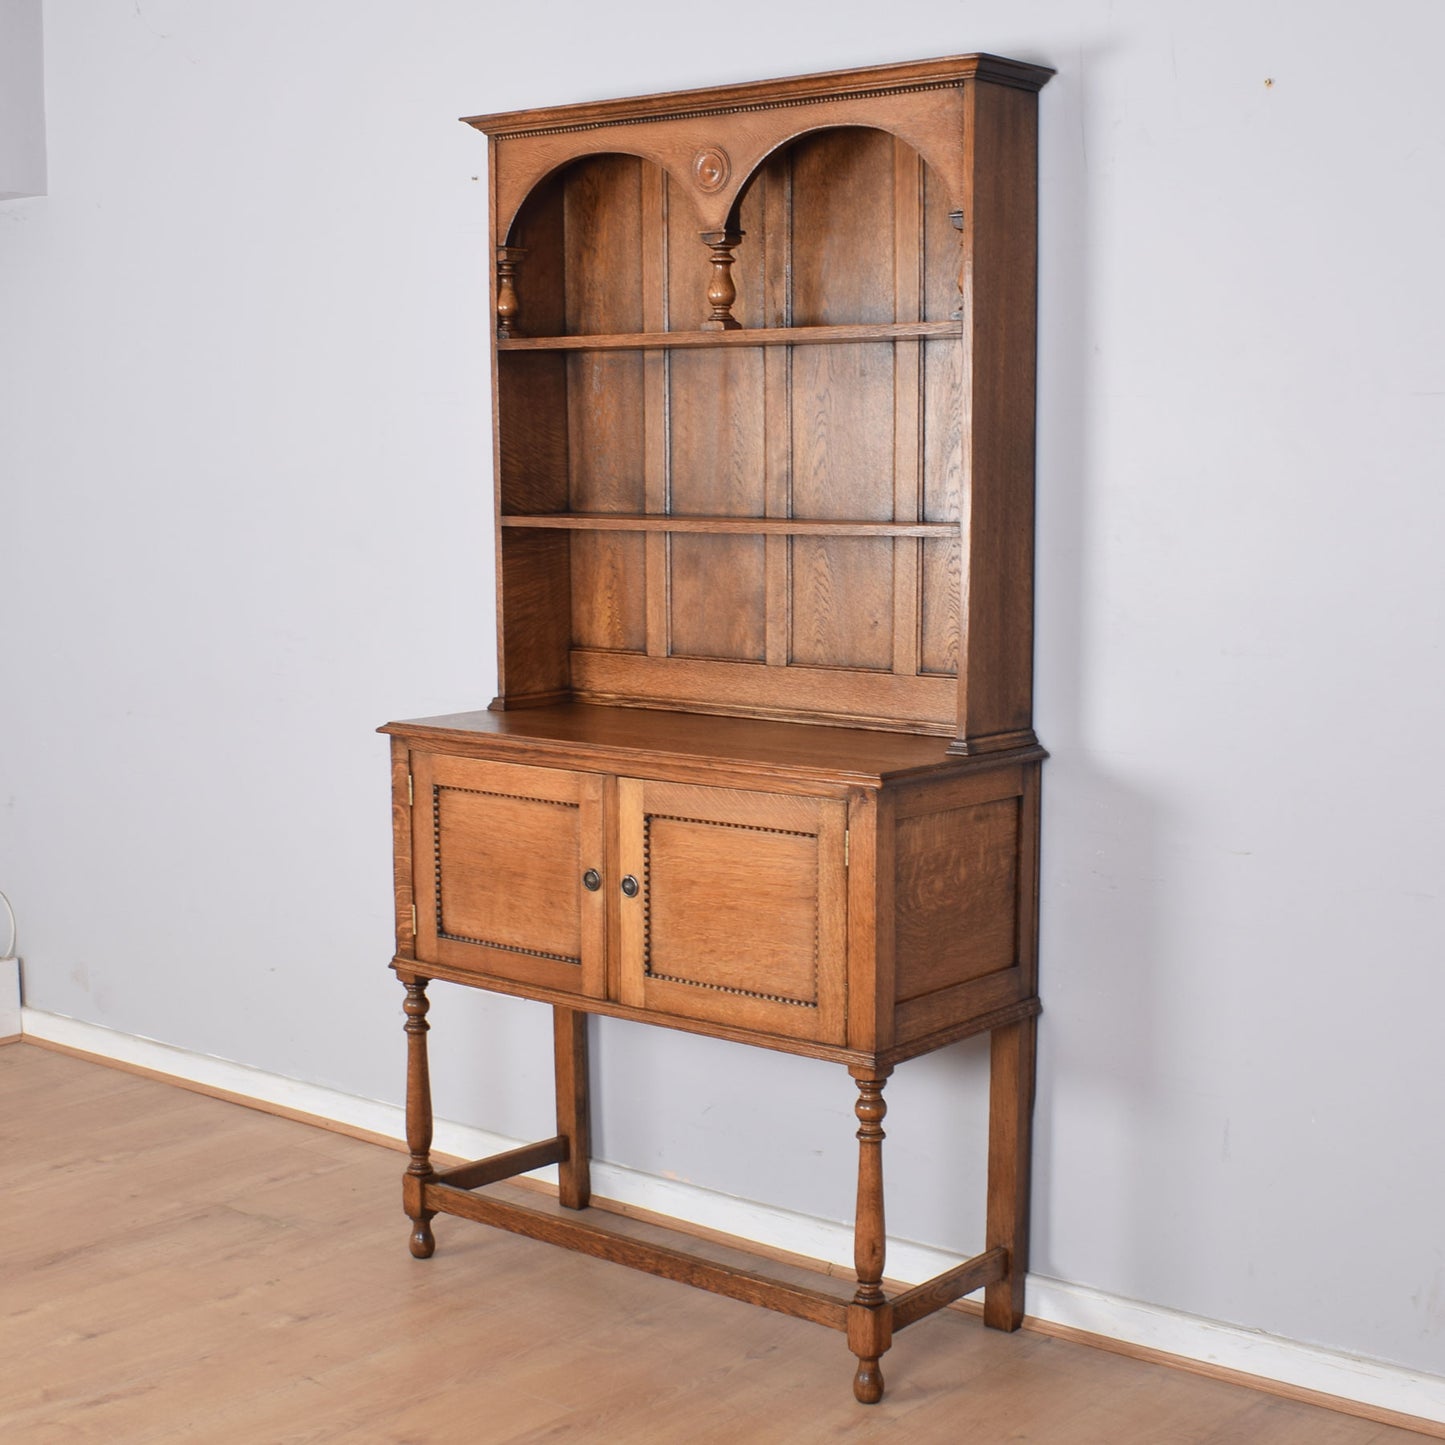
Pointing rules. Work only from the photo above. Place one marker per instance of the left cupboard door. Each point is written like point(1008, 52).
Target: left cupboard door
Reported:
point(505, 860)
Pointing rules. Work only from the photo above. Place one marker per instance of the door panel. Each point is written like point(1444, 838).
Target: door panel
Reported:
point(740, 915)
point(500, 853)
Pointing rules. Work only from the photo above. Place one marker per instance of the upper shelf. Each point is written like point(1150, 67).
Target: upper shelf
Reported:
point(750, 336)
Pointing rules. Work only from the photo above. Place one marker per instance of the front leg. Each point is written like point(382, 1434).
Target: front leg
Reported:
point(419, 1172)
point(870, 1316)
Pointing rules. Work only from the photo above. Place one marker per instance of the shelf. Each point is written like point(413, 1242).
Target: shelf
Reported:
point(756, 336)
point(743, 526)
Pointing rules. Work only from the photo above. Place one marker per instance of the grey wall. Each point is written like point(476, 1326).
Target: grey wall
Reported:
point(245, 519)
point(22, 100)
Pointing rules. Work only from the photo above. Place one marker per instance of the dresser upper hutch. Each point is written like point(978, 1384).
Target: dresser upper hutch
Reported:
point(764, 389)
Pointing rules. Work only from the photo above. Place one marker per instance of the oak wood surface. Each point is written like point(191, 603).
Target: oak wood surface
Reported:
point(945, 70)
point(723, 526)
point(884, 236)
point(522, 1160)
point(989, 1003)
point(764, 365)
point(777, 335)
point(574, 1107)
point(245, 1285)
point(955, 900)
point(1011, 1106)
point(740, 914)
point(922, 1300)
point(620, 737)
point(500, 852)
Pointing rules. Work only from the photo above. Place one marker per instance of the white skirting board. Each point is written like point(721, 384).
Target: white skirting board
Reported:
point(9, 997)
point(1056, 1302)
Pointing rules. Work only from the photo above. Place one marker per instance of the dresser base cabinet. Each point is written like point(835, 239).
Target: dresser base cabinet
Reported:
point(839, 894)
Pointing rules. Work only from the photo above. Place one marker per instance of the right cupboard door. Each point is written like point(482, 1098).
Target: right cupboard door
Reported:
point(734, 907)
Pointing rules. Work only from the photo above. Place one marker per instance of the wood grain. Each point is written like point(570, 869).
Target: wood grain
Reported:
point(574, 1110)
point(1010, 1129)
point(763, 380)
point(741, 913)
point(606, 397)
point(727, 526)
point(956, 896)
point(877, 699)
point(499, 851)
point(718, 749)
point(771, 336)
point(999, 273)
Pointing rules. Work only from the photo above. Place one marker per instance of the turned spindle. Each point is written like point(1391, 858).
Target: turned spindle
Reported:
point(870, 1316)
point(721, 292)
point(508, 307)
point(418, 1120)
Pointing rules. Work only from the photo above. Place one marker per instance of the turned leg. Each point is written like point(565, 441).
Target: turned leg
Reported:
point(870, 1316)
point(574, 1118)
point(1010, 1130)
point(418, 1120)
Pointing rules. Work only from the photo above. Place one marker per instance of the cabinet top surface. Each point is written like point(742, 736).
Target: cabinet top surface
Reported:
point(637, 735)
point(792, 90)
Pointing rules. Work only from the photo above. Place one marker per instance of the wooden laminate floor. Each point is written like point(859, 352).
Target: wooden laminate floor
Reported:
point(176, 1268)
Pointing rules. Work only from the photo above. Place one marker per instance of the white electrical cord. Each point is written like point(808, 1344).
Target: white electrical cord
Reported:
point(10, 949)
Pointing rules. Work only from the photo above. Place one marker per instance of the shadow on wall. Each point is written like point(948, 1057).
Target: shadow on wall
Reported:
point(1100, 834)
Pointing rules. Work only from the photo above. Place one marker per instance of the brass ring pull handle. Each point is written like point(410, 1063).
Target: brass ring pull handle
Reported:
point(629, 886)
point(592, 880)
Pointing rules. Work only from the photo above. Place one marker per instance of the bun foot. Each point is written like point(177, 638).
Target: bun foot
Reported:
point(868, 1382)
point(423, 1243)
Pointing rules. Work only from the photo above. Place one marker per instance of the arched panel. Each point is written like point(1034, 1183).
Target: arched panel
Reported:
point(518, 188)
point(870, 228)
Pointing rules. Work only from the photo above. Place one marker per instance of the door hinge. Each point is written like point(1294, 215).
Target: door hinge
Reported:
point(847, 838)
point(410, 792)
point(413, 920)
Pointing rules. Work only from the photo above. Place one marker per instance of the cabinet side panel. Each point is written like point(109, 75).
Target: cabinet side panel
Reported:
point(956, 896)
point(996, 677)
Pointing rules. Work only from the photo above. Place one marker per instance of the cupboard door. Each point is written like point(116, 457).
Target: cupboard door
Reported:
point(740, 910)
point(503, 854)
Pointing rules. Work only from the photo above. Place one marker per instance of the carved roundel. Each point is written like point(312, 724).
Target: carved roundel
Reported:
point(711, 169)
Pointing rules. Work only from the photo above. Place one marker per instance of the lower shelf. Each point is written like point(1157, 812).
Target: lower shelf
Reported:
point(822, 1298)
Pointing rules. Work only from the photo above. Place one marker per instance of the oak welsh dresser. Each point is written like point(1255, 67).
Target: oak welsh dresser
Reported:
point(762, 765)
